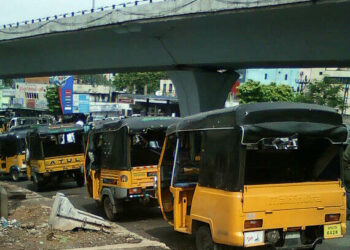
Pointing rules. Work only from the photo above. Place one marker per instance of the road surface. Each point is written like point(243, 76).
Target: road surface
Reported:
point(146, 221)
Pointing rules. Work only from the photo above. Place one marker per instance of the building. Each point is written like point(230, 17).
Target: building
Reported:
point(99, 100)
point(110, 76)
point(6, 97)
point(166, 88)
point(41, 80)
point(30, 96)
point(288, 76)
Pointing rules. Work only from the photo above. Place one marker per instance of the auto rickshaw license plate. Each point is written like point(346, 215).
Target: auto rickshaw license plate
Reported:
point(332, 231)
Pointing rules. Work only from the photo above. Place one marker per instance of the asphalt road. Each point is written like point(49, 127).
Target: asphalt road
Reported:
point(147, 221)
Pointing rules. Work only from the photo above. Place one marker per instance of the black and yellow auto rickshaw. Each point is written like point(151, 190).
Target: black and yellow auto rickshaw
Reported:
point(121, 161)
point(55, 153)
point(256, 175)
point(12, 153)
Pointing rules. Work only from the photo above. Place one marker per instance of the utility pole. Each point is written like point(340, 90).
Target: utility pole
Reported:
point(93, 4)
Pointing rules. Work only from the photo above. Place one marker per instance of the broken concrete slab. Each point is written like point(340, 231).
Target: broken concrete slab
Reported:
point(3, 203)
point(65, 217)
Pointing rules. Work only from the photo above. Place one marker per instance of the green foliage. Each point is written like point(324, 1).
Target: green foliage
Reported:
point(97, 79)
point(8, 82)
point(136, 81)
point(326, 92)
point(253, 91)
point(53, 100)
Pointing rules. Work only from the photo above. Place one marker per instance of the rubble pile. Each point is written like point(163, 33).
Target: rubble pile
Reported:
point(27, 227)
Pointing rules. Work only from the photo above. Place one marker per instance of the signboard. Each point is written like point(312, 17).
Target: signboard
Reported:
point(28, 95)
point(125, 100)
point(66, 95)
point(104, 107)
point(60, 80)
point(81, 103)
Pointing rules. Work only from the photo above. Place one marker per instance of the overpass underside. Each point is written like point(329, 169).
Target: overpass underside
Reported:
point(303, 34)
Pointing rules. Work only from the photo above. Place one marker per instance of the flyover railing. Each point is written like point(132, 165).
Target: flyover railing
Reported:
point(82, 12)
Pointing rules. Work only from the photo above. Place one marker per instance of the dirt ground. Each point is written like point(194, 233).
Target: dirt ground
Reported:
point(27, 228)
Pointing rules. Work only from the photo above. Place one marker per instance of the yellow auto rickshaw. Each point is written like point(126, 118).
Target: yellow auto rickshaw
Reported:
point(121, 161)
point(56, 153)
point(266, 174)
point(12, 153)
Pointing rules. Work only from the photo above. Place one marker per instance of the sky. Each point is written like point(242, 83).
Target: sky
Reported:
point(12, 11)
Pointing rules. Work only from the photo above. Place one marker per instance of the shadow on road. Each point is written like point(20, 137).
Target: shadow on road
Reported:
point(171, 238)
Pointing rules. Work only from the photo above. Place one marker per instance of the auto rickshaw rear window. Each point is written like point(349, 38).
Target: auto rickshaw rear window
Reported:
point(294, 160)
point(62, 144)
point(145, 148)
point(114, 148)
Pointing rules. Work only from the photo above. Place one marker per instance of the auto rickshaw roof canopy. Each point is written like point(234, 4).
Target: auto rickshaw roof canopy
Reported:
point(260, 120)
point(57, 129)
point(18, 134)
point(137, 124)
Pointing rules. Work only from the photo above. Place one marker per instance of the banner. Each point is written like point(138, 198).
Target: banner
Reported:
point(81, 103)
point(66, 95)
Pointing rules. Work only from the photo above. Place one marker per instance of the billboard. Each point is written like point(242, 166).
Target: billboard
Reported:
point(28, 95)
point(81, 103)
point(66, 95)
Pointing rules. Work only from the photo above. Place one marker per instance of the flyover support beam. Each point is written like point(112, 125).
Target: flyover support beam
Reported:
point(200, 91)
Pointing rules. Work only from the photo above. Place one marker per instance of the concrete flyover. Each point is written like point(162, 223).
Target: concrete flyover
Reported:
point(191, 38)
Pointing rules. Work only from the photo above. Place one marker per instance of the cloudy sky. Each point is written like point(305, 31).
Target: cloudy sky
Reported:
point(12, 11)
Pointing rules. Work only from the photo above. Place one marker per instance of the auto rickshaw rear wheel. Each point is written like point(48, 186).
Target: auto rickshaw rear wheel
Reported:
point(108, 208)
point(14, 174)
point(79, 179)
point(204, 240)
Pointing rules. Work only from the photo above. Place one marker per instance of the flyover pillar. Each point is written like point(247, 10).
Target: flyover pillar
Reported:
point(200, 91)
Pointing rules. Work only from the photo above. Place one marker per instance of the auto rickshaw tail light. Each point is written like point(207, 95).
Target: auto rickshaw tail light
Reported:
point(253, 224)
point(332, 217)
point(135, 190)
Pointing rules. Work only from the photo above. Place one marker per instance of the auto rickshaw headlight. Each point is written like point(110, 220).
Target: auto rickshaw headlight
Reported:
point(253, 224)
point(332, 217)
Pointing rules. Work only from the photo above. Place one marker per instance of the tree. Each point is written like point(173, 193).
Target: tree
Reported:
point(326, 92)
point(97, 79)
point(253, 91)
point(8, 82)
point(136, 81)
point(53, 100)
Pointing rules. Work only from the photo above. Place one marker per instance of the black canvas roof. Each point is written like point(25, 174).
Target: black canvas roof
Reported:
point(259, 113)
point(136, 124)
point(57, 129)
point(19, 134)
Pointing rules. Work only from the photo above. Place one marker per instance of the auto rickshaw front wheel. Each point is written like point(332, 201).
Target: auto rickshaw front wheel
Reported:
point(108, 208)
point(14, 174)
point(38, 182)
point(204, 240)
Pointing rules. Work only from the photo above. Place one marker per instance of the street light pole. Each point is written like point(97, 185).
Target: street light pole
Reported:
point(93, 4)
